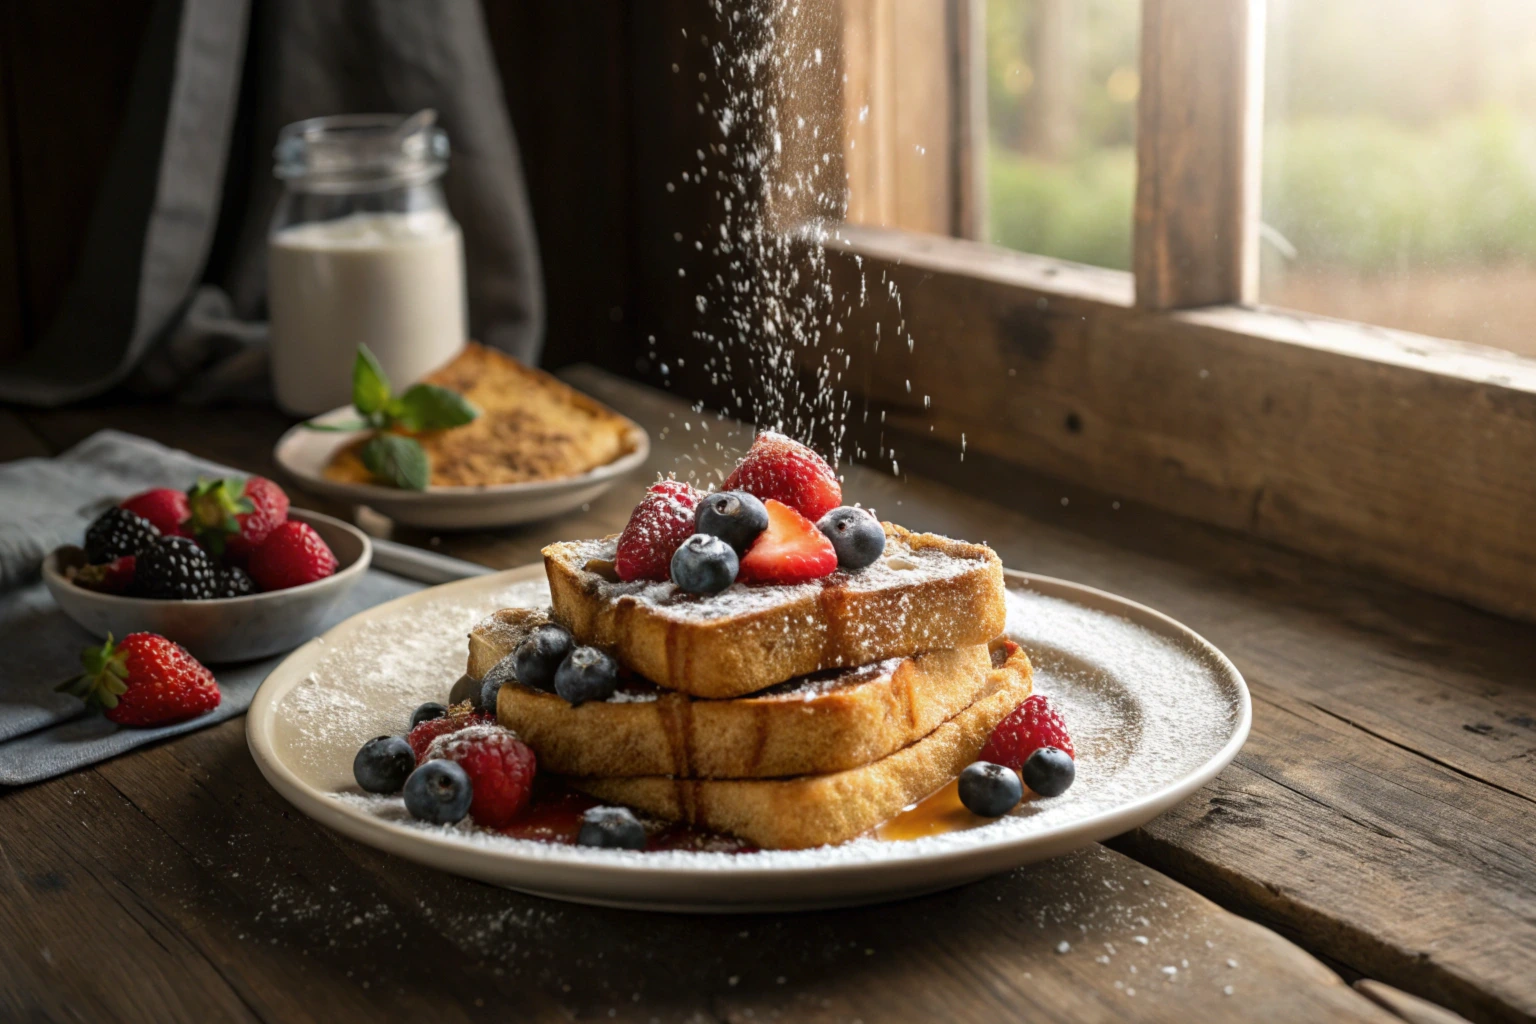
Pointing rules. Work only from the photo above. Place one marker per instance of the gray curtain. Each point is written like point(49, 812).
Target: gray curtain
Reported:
point(169, 293)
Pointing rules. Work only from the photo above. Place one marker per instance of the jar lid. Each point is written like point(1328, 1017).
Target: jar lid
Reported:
point(360, 152)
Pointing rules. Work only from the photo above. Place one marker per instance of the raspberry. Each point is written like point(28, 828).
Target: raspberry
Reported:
point(656, 529)
point(1028, 727)
point(785, 470)
point(114, 577)
point(458, 717)
point(290, 556)
point(500, 766)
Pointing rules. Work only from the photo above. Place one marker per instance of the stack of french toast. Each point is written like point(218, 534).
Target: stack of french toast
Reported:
point(815, 694)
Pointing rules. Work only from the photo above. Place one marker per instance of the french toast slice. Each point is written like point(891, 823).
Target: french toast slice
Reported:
point(925, 593)
point(815, 810)
point(824, 722)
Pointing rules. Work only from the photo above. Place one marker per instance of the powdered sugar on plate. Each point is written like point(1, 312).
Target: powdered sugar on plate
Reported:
point(1145, 708)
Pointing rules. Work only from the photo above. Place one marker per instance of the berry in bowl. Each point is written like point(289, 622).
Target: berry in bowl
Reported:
point(226, 569)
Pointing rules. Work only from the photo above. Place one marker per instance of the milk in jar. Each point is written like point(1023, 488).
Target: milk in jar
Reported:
point(362, 250)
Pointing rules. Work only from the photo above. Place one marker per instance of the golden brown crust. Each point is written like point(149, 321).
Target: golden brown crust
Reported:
point(927, 593)
point(531, 427)
point(814, 810)
point(806, 726)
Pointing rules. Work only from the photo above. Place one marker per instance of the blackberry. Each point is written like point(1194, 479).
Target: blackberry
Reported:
point(233, 582)
point(176, 569)
point(116, 533)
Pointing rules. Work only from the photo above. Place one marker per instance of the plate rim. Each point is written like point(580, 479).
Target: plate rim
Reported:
point(625, 869)
point(379, 496)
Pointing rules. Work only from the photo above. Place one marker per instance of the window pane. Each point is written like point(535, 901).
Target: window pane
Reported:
point(1061, 111)
point(1400, 165)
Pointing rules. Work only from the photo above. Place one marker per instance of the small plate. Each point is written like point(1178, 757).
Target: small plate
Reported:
point(231, 628)
point(1154, 710)
point(304, 454)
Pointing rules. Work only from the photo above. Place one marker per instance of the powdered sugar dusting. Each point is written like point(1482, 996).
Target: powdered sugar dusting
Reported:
point(389, 665)
point(1144, 710)
point(900, 566)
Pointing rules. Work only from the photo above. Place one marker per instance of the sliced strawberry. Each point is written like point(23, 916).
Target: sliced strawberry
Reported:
point(656, 529)
point(791, 550)
point(785, 470)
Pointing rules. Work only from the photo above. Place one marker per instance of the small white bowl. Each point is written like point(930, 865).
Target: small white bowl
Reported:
point(304, 454)
point(227, 629)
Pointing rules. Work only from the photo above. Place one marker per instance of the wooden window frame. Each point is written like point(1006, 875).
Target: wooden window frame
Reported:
point(1408, 455)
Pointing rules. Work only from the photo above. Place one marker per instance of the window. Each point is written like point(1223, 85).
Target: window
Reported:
point(1061, 86)
point(1400, 165)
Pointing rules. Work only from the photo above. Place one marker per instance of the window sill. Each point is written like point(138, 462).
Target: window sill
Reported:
point(1411, 456)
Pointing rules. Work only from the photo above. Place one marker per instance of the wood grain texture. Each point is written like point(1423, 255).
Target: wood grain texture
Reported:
point(896, 120)
point(1410, 1008)
point(1393, 452)
point(274, 918)
point(1197, 153)
point(280, 911)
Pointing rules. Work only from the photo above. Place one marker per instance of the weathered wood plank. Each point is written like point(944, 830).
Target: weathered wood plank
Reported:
point(80, 941)
point(1399, 454)
point(1418, 675)
point(305, 925)
point(1410, 1008)
point(1199, 115)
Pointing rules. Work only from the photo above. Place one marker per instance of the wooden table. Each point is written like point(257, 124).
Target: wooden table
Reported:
point(1375, 838)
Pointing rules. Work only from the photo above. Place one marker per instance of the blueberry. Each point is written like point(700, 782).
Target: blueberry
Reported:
point(856, 536)
point(490, 690)
point(613, 828)
point(704, 565)
point(383, 764)
point(1049, 771)
point(587, 674)
point(439, 792)
point(736, 517)
point(428, 711)
point(539, 656)
point(466, 689)
point(990, 790)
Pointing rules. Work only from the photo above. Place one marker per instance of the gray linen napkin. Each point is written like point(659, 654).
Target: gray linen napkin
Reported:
point(48, 502)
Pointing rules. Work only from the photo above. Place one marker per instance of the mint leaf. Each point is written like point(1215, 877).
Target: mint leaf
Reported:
point(397, 460)
point(370, 388)
point(430, 407)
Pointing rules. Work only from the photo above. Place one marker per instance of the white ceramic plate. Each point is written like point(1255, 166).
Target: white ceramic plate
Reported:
point(304, 454)
point(1154, 711)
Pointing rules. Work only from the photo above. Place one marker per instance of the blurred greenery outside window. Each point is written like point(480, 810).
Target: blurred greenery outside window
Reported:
point(1399, 167)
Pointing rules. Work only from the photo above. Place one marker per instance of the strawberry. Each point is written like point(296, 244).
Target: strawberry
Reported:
point(291, 555)
point(787, 471)
point(656, 529)
point(144, 680)
point(460, 716)
point(791, 550)
point(1027, 728)
point(231, 517)
point(114, 577)
point(165, 507)
point(499, 765)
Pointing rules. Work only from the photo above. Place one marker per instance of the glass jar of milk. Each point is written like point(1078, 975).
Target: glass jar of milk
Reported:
point(362, 249)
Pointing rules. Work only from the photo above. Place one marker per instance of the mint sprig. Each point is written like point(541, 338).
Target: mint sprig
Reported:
point(389, 455)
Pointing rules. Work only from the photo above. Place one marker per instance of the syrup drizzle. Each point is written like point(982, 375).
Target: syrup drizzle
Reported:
point(935, 814)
